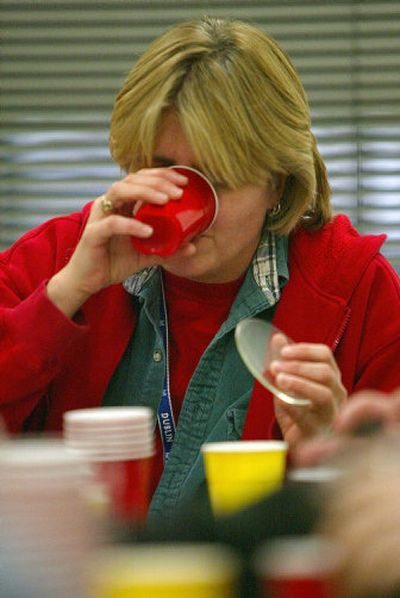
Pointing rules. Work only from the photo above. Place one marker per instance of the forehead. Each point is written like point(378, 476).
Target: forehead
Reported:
point(172, 144)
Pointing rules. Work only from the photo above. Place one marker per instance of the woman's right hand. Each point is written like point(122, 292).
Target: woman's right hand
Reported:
point(105, 254)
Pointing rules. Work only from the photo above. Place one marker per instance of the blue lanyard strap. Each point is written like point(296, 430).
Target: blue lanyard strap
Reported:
point(165, 415)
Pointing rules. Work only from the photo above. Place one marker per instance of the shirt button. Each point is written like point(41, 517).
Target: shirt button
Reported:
point(157, 356)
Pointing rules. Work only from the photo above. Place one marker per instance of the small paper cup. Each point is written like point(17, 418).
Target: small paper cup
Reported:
point(241, 473)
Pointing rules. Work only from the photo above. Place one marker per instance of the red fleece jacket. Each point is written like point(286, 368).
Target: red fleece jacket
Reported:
point(341, 292)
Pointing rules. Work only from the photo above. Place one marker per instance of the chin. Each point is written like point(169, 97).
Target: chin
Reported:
point(186, 270)
point(201, 266)
point(194, 267)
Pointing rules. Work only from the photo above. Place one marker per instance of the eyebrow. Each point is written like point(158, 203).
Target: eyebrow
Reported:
point(163, 161)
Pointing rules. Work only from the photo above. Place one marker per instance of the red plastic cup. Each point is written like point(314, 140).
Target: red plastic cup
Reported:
point(128, 484)
point(299, 588)
point(298, 567)
point(179, 220)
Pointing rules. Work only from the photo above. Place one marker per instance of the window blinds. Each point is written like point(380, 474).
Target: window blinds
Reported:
point(62, 63)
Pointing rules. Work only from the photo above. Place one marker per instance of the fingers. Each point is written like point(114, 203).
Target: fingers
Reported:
point(323, 373)
point(321, 396)
point(309, 371)
point(395, 407)
point(102, 230)
point(365, 407)
point(275, 346)
point(309, 352)
point(155, 186)
point(317, 450)
point(124, 197)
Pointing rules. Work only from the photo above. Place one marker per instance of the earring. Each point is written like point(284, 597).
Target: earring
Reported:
point(275, 210)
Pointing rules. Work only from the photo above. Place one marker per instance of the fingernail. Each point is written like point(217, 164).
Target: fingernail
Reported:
point(147, 230)
point(287, 350)
point(160, 196)
point(282, 381)
point(275, 366)
point(176, 192)
point(182, 178)
point(179, 176)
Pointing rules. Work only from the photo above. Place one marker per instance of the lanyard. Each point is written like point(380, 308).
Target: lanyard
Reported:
point(165, 415)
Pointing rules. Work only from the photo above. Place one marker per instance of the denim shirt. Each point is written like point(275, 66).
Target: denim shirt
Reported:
point(219, 391)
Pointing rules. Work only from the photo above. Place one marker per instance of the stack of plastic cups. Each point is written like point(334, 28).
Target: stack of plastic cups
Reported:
point(47, 535)
point(119, 444)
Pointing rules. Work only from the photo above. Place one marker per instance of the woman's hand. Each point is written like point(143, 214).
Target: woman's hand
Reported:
point(105, 254)
point(307, 371)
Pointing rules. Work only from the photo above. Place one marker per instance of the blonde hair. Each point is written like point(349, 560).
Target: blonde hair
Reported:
point(241, 105)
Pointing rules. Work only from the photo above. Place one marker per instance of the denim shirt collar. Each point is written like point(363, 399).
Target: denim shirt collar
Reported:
point(269, 269)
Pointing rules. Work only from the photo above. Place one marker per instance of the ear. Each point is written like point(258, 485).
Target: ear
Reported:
point(276, 191)
point(280, 182)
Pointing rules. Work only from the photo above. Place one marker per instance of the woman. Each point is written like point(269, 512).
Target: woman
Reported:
point(80, 308)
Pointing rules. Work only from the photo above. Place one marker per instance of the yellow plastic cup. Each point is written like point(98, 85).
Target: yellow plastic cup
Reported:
point(159, 570)
point(241, 473)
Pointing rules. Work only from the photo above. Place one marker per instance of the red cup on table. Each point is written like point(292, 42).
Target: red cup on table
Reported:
point(128, 482)
point(119, 443)
point(179, 220)
point(298, 567)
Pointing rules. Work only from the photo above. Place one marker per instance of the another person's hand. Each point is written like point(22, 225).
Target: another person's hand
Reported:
point(307, 371)
point(361, 515)
point(105, 254)
point(366, 413)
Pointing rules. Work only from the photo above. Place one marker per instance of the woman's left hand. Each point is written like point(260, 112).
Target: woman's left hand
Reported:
point(307, 371)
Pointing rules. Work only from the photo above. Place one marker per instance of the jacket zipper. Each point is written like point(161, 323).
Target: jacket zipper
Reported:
point(342, 329)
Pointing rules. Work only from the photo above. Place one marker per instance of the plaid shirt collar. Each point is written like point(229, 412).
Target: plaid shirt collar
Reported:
point(269, 267)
